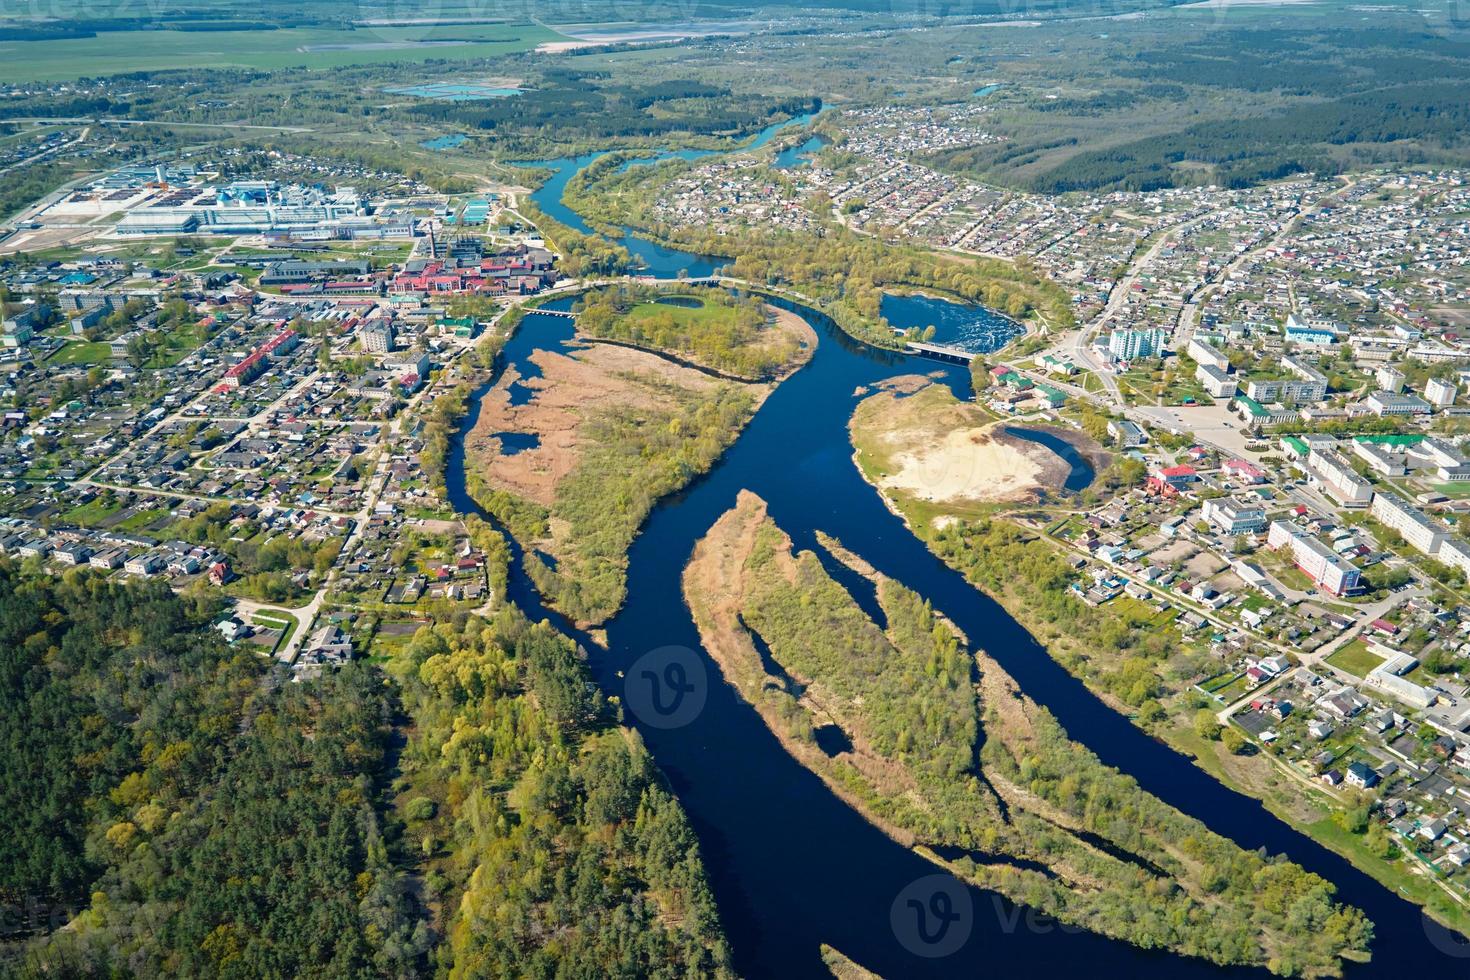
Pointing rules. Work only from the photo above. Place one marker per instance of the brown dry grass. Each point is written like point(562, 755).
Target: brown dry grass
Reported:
point(591, 379)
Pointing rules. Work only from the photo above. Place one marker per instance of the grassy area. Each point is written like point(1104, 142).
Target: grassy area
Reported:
point(178, 343)
point(92, 512)
point(1234, 691)
point(1355, 658)
point(276, 619)
point(111, 53)
point(697, 311)
point(1398, 875)
point(141, 519)
point(83, 352)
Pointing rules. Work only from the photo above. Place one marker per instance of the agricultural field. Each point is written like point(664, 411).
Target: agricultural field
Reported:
point(71, 58)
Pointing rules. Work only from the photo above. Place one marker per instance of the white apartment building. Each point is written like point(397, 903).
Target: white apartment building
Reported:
point(1202, 352)
point(1327, 569)
point(1390, 379)
point(1382, 458)
point(1456, 554)
point(1215, 381)
point(1387, 403)
point(1335, 474)
point(376, 335)
point(1440, 394)
point(1423, 534)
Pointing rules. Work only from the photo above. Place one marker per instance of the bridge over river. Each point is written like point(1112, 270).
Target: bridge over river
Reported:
point(940, 352)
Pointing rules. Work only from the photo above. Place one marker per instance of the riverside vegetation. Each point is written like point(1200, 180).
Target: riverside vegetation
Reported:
point(709, 326)
point(1139, 665)
point(844, 271)
point(946, 754)
point(632, 453)
point(630, 458)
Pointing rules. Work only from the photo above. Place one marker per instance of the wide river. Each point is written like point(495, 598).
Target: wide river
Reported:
point(791, 865)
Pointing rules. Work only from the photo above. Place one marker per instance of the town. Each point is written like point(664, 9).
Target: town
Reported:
point(223, 378)
point(227, 388)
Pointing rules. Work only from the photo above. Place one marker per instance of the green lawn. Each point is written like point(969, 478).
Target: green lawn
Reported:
point(92, 512)
point(156, 50)
point(140, 520)
point(83, 352)
point(178, 343)
point(683, 315)
point(1355, 658)
point(1397, 875)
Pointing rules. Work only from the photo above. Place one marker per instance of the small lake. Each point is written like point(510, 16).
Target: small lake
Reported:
point(1082, 473)
point(455, 91)
point(514, 443)
point(965, 326)
point(800, 155)
point(444, 142)
point(985, 90)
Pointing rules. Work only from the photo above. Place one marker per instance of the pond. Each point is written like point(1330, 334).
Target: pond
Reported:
point(800, 155)
point(513, 443)
point(1081, 475)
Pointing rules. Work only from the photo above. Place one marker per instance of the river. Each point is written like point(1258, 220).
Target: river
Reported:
point(791, 865)
point(664, 263)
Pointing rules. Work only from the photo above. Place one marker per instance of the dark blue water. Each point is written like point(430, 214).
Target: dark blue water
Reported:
point(969, 327)
point(800, 155)
point(549, 333)
point(664, 263)
point(1082, 473)
point(791, 865)
point(512, 443)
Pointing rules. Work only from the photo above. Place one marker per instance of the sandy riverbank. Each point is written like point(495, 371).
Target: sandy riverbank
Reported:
point(925, 444)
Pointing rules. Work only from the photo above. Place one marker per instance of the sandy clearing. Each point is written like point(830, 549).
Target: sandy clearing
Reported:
point(932, 447)
point(965, 465)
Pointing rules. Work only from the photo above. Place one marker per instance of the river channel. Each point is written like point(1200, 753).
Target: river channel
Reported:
point(791, 865)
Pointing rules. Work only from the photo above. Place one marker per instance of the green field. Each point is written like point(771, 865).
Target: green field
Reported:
point(92, 512)
point(82, 352)
point(682, 315)
point(1355, 658)
point(112, 52)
